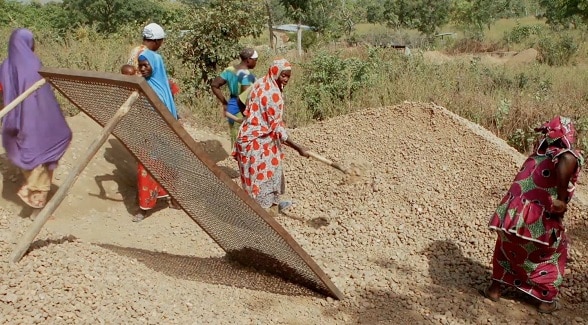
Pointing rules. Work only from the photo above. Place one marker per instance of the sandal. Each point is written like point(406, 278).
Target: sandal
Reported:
point(484, 293)
point(284, 206)
point(34, 199)
point(173, 204)
point(554, 306)
point(139, 216)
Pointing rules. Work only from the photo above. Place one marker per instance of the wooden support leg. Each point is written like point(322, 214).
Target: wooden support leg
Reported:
point(40, 220)
point(22, 97)
point(34, 214)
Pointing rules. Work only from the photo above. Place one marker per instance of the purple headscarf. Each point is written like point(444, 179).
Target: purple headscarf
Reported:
point(35, 132)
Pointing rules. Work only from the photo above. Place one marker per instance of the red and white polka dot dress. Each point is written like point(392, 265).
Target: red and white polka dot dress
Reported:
point(258, 148)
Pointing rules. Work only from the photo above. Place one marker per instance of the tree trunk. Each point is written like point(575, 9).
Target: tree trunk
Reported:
point(270, 24)
point(299, 38)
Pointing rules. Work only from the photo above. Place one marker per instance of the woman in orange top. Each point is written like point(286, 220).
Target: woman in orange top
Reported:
point(258, 149)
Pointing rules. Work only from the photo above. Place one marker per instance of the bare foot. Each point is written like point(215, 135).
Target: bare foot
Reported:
point(548, 307)
point(173, 204)
point(493, 292)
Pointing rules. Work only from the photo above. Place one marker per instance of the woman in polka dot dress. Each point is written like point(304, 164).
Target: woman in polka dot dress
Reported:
point(531, 248)
point(258, 149)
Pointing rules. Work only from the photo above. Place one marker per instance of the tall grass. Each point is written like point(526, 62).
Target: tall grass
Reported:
point(507, 99)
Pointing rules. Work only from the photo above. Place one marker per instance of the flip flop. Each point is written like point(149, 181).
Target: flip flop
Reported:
point(284, 206)
point(555, 307)
point(26, 196)
point(38, 198)
point(484, 293)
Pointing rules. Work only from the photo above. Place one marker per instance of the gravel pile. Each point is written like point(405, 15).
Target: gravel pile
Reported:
point(407, 241)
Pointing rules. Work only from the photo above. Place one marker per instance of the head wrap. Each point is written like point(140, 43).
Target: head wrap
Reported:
point(153, 32)
point(35, 132)
point(278, 66)
point(559, 128)
point(248, 53)
point(158, 80)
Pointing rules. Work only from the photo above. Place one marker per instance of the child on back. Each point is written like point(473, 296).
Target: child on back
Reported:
point(128, 70)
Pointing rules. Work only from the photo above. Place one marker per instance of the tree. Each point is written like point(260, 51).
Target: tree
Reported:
point(297, 10)
point(325, 16)
point(424, 15)
point(278, 11)
point(109, 15)
point(473, 16)
point(213, 34)
point(564, 12)
point(372, 9)
point(17, 14)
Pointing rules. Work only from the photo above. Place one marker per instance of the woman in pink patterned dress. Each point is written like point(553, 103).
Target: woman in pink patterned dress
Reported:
point(531, 248)
point(258, 148)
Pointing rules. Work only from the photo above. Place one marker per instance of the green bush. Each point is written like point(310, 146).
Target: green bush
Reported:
point(310, 39)
point(522, 139)
point(556, 50)
point(331, 78)
point(521, 33)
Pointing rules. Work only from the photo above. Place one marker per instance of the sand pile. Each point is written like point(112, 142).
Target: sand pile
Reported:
point(406, 242)
point(527, 56)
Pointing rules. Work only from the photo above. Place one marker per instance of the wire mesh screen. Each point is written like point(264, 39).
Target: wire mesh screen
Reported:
point(245, 231)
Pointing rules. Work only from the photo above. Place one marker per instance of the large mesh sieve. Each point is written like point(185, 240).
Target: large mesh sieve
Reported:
point(244, 230)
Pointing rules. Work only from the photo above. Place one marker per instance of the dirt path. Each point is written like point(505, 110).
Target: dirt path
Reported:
point(405, 243)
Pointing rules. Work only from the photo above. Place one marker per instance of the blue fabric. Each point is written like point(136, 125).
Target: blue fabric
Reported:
point(235, 79)
point(245, 77)
point(159, 81)
point(233, 106)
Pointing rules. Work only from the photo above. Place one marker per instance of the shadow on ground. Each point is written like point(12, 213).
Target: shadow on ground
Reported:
point(216, 152)
point(124, 175)
point(456, 276)
point(41, 243)
point(213, 270)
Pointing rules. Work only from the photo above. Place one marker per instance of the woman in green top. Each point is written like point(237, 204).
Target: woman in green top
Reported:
point(238, 78)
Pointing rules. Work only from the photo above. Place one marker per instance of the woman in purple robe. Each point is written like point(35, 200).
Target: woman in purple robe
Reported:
point(35, 134)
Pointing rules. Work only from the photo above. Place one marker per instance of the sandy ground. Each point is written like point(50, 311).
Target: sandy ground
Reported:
point(405, 242)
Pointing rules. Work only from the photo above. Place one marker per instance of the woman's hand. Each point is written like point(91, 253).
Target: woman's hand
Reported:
point(302, 152)
point(559, 207)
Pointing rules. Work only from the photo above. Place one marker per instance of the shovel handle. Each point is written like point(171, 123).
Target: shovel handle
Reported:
point(324, 160)
point(232, 117)
point(319, 157)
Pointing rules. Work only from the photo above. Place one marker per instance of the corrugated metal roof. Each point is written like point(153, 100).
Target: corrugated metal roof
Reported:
point(291, 27)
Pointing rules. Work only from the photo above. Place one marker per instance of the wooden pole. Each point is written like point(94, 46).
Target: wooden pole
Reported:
point(299, 38)
point(270, 23)
point(40, 220)
point(233, 117)
point(22, 97)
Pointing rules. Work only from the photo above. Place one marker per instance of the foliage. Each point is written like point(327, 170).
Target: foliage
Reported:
point(110, 15)
point(327, 17)
point(522, 139)
point(278, 12)
point(333, 79)
point(34, 16)
point(564, 13)
point(426, 16)
point(310, 39)
point(521, 33)
point(373, 10)
point(473, 16)
point(213, 36)
point(556, 50)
